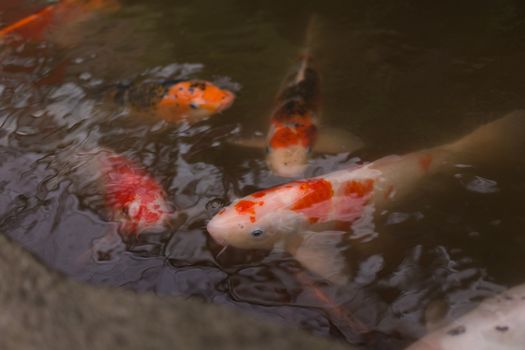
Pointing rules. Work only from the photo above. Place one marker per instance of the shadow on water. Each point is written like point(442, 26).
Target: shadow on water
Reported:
point(401, 76)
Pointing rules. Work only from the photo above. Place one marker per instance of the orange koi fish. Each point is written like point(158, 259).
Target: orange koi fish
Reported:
point(133, 197)
point(37, 24)
point(303, 214)
point(177, 101)
point(294, 125)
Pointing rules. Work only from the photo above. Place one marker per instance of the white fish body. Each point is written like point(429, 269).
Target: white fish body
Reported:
point(496, 324)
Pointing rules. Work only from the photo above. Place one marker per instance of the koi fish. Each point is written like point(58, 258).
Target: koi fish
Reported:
point(307, 216)
point(37, 24)
point(497, 323)
point(176, 101)
point(134, 198)
point(294, 124)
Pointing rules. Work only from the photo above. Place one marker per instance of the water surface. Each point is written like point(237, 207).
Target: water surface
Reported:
point(401, 76)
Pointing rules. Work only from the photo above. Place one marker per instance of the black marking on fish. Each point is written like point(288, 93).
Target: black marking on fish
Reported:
point(198, 85)
point(501, 328)
point(141, 94)
point(457, 330)
point(290, 108)
point(306, 90)
point(169, 83)
point(145, 95)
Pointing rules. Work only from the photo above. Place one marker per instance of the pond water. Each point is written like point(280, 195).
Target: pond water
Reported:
point(401, 76)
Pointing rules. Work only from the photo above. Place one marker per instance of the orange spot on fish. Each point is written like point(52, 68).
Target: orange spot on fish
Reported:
point(425, 161)
point(252, 219)
point(245, 207)
point(313, 220)
point(259, 194)
point(358, 188)
point(313, 192)
point(284, 137)
point(293, 131)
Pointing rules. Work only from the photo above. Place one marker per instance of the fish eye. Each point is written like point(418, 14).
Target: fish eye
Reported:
point(194, 105)
point(257, 233)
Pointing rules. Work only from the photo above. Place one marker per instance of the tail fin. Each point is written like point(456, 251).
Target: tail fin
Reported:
point(312, 32)
point(42, 15)
point(503, 138)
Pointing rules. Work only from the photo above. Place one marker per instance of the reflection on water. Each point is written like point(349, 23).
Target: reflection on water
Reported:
point(401, 76)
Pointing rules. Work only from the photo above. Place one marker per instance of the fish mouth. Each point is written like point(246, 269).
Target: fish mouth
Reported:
point(226, 102)
point(214, 233)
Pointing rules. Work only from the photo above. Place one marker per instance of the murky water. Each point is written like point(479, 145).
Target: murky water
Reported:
point(401, 76)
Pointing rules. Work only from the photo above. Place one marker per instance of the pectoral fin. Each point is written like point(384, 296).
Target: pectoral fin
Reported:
point(320, 252)
point(251, 142)
point(331, 140)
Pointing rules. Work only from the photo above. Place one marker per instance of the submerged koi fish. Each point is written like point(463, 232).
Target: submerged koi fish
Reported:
point(37, 24)
point(294, 127)
point(304, 214)
point(177, 101)
point(133, 197)
point(497, 323)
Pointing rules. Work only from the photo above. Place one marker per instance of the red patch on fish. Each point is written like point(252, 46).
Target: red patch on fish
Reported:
point(313, 220)
point(425, 161)
point(313, 192)
point(351, 200)
point(294, 131)
point(134, 197)
point(259, 194)
point(358, 188)
point(314, 199)
point(245, 207)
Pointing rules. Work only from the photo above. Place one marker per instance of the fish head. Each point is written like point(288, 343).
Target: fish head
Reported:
point(196, 100)
point(257, 221)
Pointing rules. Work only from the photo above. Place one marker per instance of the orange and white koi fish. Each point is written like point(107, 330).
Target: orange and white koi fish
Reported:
point(294, 131)
point(133, 197)
point(177, 101)
point(36, 25)
point(304, 214)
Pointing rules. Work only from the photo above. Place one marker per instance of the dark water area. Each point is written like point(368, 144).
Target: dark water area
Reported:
point(401, 75)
